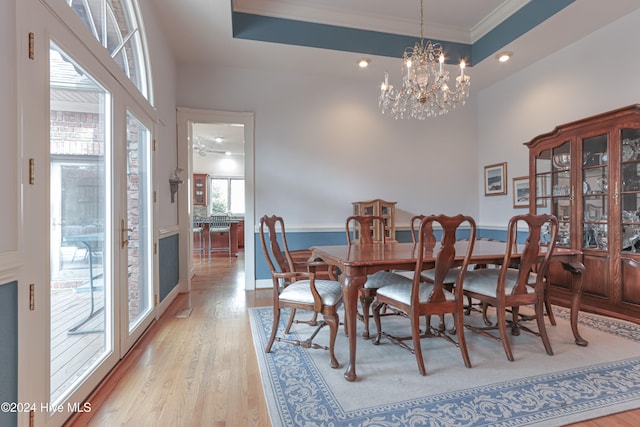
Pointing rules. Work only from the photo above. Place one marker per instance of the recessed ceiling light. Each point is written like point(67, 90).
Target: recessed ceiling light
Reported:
point(363, 62)
point(504, 56)
point(219, 139)
point(227, 153)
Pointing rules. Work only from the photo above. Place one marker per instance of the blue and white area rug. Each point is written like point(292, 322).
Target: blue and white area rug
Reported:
point(575, 384)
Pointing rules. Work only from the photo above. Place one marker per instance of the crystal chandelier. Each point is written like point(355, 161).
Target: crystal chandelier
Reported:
point(424, 92)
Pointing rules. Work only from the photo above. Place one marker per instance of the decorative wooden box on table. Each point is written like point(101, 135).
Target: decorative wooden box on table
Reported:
point(377, 207)
point(587, 173)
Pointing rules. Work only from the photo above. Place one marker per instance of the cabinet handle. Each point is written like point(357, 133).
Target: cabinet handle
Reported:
point(616, 194)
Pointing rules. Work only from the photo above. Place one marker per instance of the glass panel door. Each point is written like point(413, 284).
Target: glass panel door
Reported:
point(80, 244)
point(595, 190)
point(138, 235)
point(630, 190)
point(553, 188)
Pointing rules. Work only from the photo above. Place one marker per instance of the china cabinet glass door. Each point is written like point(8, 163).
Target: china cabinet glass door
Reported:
point(630, 190)
point(553, 188)
point(595, 190)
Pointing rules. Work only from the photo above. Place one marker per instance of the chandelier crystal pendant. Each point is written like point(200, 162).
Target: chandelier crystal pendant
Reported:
point(425, 92)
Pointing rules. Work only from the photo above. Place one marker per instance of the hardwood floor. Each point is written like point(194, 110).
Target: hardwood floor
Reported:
point(202, 370)
point(194, 371)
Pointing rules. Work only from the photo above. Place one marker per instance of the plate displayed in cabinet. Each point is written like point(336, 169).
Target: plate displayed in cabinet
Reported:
point(630, 149)
point(586, 188)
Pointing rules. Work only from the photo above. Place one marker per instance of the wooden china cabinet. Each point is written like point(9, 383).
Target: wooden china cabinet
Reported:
point(200, 189)
point(587, 173)
point(378, 207)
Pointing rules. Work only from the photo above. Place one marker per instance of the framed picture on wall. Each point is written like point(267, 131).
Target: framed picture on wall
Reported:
point(521, 194)
point(495, 178)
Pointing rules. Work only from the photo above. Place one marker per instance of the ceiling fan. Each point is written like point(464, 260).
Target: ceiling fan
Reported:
point(203, 149)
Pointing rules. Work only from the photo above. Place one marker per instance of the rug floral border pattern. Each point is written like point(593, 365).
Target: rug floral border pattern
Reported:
point(305, 400)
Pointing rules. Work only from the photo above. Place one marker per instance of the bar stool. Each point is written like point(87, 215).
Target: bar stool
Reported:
point(220, 223)
point(198, 236)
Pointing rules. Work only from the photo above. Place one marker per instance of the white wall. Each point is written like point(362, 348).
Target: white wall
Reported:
point(221, 166)
point(321, 143)
point(164, 76)
point(596, 74)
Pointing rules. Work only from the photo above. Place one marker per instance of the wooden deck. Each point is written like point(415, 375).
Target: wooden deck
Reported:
point(74, 352)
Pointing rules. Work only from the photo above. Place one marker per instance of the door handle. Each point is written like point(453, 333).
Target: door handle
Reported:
point(124, 234)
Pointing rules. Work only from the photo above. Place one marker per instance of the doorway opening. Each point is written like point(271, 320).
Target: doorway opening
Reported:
point(216, 151)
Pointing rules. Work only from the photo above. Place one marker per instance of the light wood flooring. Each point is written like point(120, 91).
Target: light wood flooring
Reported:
point(202, 370)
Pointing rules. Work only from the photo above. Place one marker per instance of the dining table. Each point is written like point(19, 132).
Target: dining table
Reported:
point(355, 262)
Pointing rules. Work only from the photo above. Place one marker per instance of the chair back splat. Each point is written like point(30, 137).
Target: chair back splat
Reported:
point(278, 258)
point(359, 228)
point(419, 299)
point(429, 236)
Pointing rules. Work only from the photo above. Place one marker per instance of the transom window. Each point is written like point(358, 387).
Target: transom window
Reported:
point(115, 24)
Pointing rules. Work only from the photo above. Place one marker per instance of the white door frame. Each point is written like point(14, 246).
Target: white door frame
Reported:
point(186, 117)
point(43, 19)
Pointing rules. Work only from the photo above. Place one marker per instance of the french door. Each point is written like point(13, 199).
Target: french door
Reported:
point(88, 218)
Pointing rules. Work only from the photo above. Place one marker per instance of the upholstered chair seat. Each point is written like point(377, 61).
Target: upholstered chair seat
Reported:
point(384, 278)
point(300, 292)
point(402, 293)
point(483, 281)
point(451, 276)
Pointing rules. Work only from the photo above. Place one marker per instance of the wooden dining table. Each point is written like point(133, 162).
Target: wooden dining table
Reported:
point(355, 262)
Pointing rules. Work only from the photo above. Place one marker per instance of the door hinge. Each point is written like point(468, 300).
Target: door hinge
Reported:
point(32, 171)
point(32, 297)
point(32, 49)
point(155, 249)
point(156, 300)
point(155, 144)
point(155, 196)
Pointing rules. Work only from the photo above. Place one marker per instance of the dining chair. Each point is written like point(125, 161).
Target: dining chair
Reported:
point(429, 275)
point(507, 288)
point(359, 231)
point(417, 298)
point(220, 224)
point(414, 227)
point(298, 290)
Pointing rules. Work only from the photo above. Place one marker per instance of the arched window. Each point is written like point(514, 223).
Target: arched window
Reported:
point(116, 24)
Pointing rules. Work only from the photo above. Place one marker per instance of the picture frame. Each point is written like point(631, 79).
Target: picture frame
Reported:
point(521, 192)
point(495, 178)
